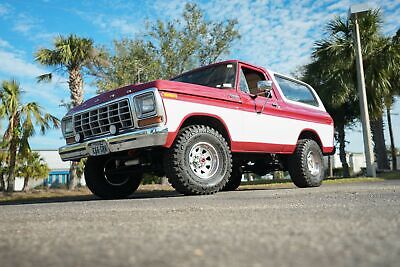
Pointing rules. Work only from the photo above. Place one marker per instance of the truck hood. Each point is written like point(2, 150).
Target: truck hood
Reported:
point(162, 85)
point(112, 95)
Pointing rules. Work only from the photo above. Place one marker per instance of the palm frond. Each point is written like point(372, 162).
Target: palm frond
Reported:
point(45, 77)
point(47, 57)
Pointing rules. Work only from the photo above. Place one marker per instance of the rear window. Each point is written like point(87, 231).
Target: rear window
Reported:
point(296, 91)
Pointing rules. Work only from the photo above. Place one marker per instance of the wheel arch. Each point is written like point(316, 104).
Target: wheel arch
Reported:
point(311, 134)
point(210, 120)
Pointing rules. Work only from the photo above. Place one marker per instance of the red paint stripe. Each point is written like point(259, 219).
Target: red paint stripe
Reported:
point(253, 147)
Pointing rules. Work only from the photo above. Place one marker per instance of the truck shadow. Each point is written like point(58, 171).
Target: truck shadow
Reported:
point(86, 198)
point(137, 195)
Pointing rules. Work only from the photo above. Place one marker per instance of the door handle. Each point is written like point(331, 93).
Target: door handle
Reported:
point(275, 105)
point(232, 96)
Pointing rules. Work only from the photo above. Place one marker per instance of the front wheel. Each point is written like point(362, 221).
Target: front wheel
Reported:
point(235, 179)
point(106, 178)
point(199, 162)
point(306, 166)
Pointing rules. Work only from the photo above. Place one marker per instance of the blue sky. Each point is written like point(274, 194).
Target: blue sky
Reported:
point(275, 34)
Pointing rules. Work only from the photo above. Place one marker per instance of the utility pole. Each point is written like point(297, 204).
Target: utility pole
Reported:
point(369, 154)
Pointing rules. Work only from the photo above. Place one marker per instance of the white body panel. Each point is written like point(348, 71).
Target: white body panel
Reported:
point(245, 126)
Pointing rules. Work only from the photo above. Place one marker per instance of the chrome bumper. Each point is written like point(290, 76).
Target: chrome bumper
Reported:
point(155, 136)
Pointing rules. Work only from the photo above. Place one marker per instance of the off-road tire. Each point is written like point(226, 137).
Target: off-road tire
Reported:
point(235, 179)
point(98, 184)
point(177, 161)
point(301, 173)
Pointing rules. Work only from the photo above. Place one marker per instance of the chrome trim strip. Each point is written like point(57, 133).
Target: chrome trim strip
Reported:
point(155, 136)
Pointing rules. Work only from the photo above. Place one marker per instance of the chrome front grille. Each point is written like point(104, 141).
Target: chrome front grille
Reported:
point(97, 121)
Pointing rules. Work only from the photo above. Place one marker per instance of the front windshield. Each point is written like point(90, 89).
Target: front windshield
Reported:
point(219, 76)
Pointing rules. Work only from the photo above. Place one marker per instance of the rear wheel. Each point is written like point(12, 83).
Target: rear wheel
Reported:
point(199, 162)
point(106, 178)
point(306, 166)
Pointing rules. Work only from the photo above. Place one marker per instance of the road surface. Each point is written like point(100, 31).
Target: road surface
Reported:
point(334, 225)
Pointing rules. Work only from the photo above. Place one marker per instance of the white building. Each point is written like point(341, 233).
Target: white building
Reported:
point(356, 162)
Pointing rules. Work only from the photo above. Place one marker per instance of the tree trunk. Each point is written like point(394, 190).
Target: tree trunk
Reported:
point(379, 144)
point(73, 177)
point(11, 171)
point(25, 188)
point(392, 146)
point(2, 183)
point(76, 88)
point(330, 167)
point(342, 150)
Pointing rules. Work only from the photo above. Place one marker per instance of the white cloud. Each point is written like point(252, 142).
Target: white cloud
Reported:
point(30, 27)
point(342, 4)
point(4, 44)
point(51, 140)
point(24, 23)
point(277, 34)
point(116, 26)
point(46, 94)
point(12, 64)
point(4, 9)
point(123, 26)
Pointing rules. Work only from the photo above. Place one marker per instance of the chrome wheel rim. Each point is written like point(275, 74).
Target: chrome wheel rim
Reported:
point(313, 163)
point(203, 160)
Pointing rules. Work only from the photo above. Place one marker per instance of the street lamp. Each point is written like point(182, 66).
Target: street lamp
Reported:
point(354, 11)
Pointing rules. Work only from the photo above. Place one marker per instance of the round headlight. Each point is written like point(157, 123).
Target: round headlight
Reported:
point(113, 129)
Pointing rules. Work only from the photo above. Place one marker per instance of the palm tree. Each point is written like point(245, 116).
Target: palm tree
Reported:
point(70, 55)
point(395, 83)
point(31, 166)
point(3, 169)
point(22, 119)
point(337, 54)
point(340, 101)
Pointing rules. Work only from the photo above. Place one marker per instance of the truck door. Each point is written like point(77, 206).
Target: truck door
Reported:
point(262, 126)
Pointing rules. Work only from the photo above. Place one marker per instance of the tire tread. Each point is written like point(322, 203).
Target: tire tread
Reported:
point(296, 165)
point(175, 169)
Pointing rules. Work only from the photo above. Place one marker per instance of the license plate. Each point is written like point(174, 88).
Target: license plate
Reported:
point(98, 148)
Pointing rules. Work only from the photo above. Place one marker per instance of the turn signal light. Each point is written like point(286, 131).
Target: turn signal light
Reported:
point(70, 140)
point(150, 121)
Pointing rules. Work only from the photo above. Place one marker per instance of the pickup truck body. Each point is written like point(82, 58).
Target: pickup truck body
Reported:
point(252, 122)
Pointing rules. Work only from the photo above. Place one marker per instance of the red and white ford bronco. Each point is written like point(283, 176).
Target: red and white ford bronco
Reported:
point(201, 129)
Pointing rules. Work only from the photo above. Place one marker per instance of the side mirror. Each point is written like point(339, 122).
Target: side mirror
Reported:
point(264, 86)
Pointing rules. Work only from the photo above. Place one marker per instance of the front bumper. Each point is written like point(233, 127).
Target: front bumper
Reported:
point(155, 136)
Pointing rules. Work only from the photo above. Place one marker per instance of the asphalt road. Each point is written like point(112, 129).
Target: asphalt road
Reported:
point(334, 225)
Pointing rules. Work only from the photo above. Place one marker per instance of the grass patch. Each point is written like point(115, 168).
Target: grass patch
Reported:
point(390, 175)
point(353, 180)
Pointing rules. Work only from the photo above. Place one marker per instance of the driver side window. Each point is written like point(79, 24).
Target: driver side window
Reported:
point(243, 83)
point(249, 79)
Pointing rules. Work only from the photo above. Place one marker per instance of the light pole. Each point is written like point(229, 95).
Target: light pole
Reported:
point(354, 11)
